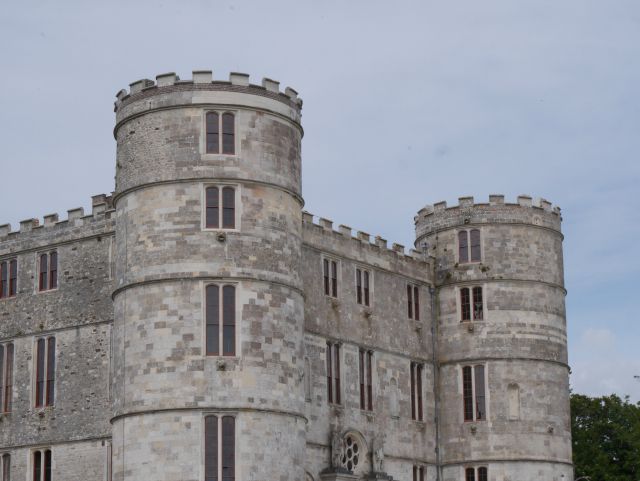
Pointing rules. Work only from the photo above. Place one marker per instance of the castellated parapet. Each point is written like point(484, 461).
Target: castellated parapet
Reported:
point(350, 358)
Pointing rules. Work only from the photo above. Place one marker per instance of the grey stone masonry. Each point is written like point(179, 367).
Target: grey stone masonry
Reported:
point(346, 357)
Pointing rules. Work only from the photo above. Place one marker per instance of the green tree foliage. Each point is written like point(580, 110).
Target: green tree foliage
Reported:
point(606, 438)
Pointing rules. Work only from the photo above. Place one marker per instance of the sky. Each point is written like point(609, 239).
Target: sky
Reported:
point(406, 103)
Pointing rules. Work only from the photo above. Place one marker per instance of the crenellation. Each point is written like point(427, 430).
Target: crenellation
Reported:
point(166, 79)
point(326, 224)
point(271, 85)
point(237, 78)
point(496, 199)
point(202, 76)
point(345, 231)
point(465, 202)
point(138, 85)
point(364, 237)
point(525, 200)
point(399, 248)
point(380, 242)
point(28, 225)
point(50, 219)
point(291, 93)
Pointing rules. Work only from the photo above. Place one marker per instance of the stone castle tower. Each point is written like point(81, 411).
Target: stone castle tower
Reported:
point(206, 328)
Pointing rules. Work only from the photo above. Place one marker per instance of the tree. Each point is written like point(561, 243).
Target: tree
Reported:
point(606, 438)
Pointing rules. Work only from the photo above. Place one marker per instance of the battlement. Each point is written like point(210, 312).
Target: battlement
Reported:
point(525, 210)
point(203, 79)
point(101, 209)
point(378, 246)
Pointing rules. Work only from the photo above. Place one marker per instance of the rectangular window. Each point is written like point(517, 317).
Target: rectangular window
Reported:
point(333, 372)
point(418, 473)
point(8, 278)
point(366, 379)
point(483, 474)
point(470, 474)
point(220, 210)
point(473, 392)
point(48, 271)
point(219, 448)
point(413, 302)
point(330, 276)
point(471, 304)
point(469, 251)
point(220, 336)
point(220, 130)
point(417, 412)
point(41, 461)
point(362, 287)
point(45, 371)
point(6, 377)
point(5, 460)
point(475, 247)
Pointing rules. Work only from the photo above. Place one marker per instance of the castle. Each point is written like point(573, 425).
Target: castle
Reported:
point(199, 325)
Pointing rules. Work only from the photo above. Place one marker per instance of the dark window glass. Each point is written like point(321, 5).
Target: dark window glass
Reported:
point(213, 320)
point(359, 286)
point(415, 473)
point(334, 278)
point(463, 246)
point(53, 270)
point(13, 277)
point(419, 390)
point(475, 245)
point(361, 355)
point(2, 376)
point(416, 303)
point(211, 448)
point(481, 413)
point(6, 467)
point(213, 140)
point(366, 287)
point(212, 213)
point(51, 370)
point(337, 372)
point(465, 304)
point(4, 280)
point(470, 474)
point(37, 466)
point(40, 374)
point(413, 390)
point(467, 393)
point(228, 134)
point(409, 301)
point(228, 449)
point(44, 272)
point(229, 320)
point(421, 473)
point(47, 465)
point(228, 208)
point(329, 374)
point(370, 381)
point(482, 474)
point(477, 304)
point(8, 380)
point(326, 276)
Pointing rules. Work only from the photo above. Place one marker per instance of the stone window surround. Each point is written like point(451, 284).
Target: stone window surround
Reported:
point(203, 134)
point(221, 283)
point(485, 312)
point(32, 459)
point(331, 259)
point(487, 394)
point(369, 397)
point(5, 457)
point(36, 286)
point(219, 415)
point(468, 229)
point(34, 377)
point(363, 269)
point(8, 261)
point(238, 205)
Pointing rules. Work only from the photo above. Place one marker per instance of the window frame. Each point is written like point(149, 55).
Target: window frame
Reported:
point(418, 472)
point(469, 246)
point(5, 467)
point(237, 310)
point(6, 280)
point(219, 451)
point(366, 370)
point(237, 207)
point(417, 378)
point(412, 301)
point(332, 289)
point(220, 134)
point(43, 463)
point(364, 286)
point(333, 365)
point(475, 393)
point(7, 367)
point(49, 275)
point(472, 473)
point(471, 289)
point(48, 395)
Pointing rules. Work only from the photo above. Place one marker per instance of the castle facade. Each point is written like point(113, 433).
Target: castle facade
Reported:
point(199, 325)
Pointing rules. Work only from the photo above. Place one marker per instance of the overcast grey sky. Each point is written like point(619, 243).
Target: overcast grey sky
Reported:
point(405, 103)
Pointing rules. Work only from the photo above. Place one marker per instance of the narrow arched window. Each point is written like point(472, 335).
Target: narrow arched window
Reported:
point(478, 311)
point(6, 377)
point(48, 271)
point(219, 448)
point(211, 448)
point(463, 246)
point(213, 133)
point(228, 208)
point(45, 372)
point(220, 304)
point(467, 393)
point(228, 448)
point(44, 272)
point(229, 320)
point(465, 304)
point(220, 207)
point(470, 474)
point(475, 245)
point(42, 465)
point(228, 133)
point(6, 467)
point(213, 208)
point(514, 401)
point(213, 320)
point(482, 474)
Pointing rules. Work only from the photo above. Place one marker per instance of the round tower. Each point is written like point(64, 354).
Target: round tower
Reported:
point(208, 330)
point(501, 330)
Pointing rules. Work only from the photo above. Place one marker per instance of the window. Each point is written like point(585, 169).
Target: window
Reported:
point(42, 465)
point(418, 473)
point(8, 278)
point(363, 295)
point(469, 251)
point(471, 306)
point(330, 272)
point(219, 448)
point(217, 126)
point(45, 371)
point(416, 391)
point(220, 207)
point(413, 302)
point(6, 377)
point(333, 372)
point(473, 393)
point(470, 474)
point(48, 271)
point(220, 336)
point(366, 385)
point(5, 461)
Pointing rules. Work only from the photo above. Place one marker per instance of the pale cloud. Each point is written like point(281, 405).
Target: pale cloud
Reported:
point(598, 339)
